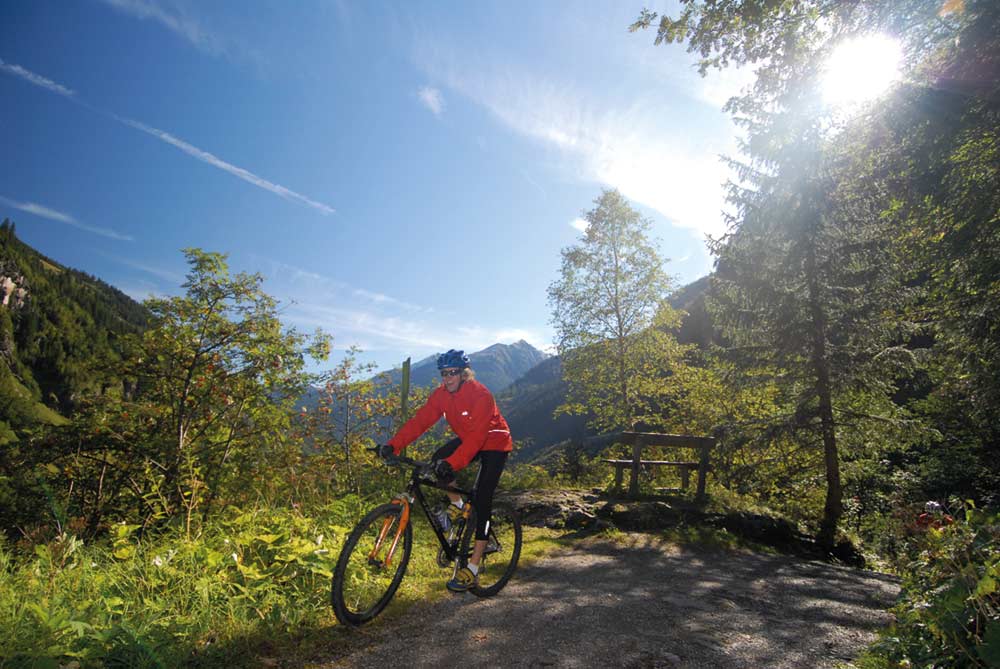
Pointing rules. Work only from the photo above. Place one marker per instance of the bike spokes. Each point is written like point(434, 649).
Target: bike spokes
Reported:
point(503, 548)
point(372, 564)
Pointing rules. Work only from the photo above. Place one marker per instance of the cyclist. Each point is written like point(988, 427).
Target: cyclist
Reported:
point(482, 434)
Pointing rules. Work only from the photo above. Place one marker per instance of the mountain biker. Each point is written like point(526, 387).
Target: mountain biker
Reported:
point(482, 434)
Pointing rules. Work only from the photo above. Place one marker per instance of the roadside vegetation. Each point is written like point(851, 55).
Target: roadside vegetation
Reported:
point(167, 499)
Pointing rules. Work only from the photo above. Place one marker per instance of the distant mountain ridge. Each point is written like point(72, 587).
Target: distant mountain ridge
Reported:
point(528, 405)
point(496, 367)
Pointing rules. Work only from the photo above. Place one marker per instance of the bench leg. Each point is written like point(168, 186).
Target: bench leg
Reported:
point(618, 479)
point(703, 468)
point(633, 481)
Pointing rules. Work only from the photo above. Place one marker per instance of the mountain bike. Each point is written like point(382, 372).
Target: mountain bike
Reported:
point(373, 561)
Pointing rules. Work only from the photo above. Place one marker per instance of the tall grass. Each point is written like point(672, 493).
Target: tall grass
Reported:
point(251, 584)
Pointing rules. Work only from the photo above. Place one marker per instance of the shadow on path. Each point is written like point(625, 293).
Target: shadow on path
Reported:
point(645, 603)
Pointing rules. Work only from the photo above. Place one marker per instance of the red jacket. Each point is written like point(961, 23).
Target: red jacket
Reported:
point(472, 414)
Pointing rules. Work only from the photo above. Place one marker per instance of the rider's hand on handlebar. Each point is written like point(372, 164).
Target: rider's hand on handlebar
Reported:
point(386, 452)
point(443, 471)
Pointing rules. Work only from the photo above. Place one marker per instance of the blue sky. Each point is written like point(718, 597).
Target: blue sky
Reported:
point(403, 174)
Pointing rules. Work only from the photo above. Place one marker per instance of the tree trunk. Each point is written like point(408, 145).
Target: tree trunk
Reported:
point(833, 508)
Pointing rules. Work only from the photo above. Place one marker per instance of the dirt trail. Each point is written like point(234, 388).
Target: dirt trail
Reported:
point(644, 604)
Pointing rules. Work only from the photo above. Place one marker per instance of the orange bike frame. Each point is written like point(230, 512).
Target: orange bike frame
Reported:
point(404, 520)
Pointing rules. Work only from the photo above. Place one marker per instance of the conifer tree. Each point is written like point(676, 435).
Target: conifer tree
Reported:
point(806, 286)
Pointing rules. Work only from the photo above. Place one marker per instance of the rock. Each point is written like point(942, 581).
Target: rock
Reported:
point(554, 509)
point(640, 515)
point(578, 519)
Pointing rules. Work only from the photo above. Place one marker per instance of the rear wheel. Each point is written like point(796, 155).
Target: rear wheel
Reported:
point(503, 549)
point(367, 574)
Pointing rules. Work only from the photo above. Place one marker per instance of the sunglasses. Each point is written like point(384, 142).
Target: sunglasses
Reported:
point(450, 372)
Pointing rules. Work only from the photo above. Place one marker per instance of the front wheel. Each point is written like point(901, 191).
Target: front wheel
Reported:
point(503, 549)
point(371, 565)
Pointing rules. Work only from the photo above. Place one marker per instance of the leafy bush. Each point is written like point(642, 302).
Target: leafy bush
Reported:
point(949, 609)
point(163, 602)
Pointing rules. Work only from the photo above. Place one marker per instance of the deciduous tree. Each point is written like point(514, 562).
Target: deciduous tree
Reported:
point(613, 321)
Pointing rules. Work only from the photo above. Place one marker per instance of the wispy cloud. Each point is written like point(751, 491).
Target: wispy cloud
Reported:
point(215, 161)
point(374, 320)
point(535, 184)
point(36, 79)
point(379, 298)
point(53, 215)
point(633, 148)
point(312, 282)
point(174, 19)
point(349, 323)
point(176, 142)
point(173, 278)
point(432, 99)
point(579, 224)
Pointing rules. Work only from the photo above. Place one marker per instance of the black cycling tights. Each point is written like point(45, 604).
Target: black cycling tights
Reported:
point(491, 465)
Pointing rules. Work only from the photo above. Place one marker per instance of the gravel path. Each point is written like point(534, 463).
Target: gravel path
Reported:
point(644, 603)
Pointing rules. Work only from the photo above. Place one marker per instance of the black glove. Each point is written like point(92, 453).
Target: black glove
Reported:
point(385, 451)
point(443, 471)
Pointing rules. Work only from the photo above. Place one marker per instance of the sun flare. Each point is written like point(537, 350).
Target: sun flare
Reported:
point(860, 69)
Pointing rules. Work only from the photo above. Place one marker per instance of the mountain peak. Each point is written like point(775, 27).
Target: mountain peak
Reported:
point(496, 366)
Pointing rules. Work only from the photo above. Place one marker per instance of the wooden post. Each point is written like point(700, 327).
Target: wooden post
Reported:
point(633, 482)
point(618, 479)
point(703, 466)
point(685, 477)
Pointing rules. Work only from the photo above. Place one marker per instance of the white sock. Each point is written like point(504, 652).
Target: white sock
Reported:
point(474, 568)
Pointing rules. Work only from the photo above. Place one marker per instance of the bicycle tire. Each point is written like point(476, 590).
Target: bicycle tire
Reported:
point(496, 568)
point(363, 587)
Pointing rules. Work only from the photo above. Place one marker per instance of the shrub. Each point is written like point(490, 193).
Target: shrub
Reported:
point(949, 609)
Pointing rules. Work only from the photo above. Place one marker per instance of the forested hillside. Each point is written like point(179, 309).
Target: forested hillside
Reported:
point(61, 334)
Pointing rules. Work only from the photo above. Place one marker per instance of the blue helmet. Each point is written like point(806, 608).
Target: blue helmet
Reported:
point(453, 358)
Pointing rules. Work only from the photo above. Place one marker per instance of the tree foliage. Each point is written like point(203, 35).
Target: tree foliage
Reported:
point(353, 405)
point(612, 319)
point(206, 413)
point(224, 373)
point(850, 229)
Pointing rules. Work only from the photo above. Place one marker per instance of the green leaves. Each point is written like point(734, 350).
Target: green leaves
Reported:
point(611, 318)
point(949, 611)
point(156, 598)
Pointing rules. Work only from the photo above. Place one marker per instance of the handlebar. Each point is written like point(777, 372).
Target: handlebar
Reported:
point(397, 460)
point(423, 470)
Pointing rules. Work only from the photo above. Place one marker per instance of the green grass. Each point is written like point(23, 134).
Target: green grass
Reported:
point(252, 589)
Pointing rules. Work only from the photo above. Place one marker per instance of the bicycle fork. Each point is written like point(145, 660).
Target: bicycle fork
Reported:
point(404, 519)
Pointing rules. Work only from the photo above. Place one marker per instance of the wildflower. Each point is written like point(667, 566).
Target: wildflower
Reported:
point(157, 561)
point(236, 558)
point(319, 540)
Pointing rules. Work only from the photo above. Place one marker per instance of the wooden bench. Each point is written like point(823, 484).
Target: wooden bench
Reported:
point(639, 440)
point(685, 469)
